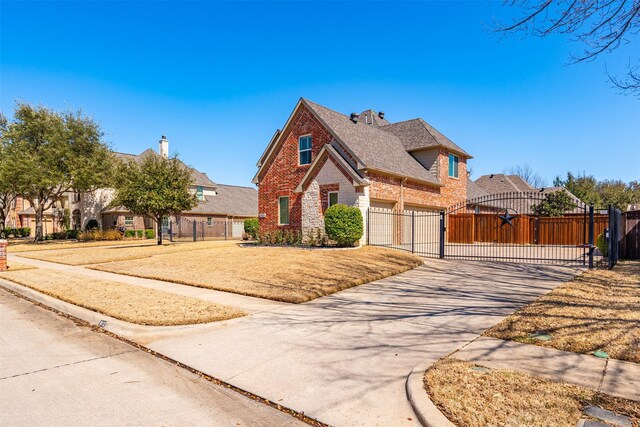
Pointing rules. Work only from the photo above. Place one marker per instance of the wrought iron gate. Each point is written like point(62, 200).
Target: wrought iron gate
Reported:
point(535, 227)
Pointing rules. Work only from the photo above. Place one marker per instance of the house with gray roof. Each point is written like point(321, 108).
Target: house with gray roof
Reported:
point(321, 157)
point(221, 208)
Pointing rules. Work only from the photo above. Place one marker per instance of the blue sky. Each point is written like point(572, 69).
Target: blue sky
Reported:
point(218, 78)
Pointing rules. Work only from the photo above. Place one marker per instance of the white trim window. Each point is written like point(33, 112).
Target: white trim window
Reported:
point(128, 221)
point(209, 221)
point(453, 165)
point(283, 210)
point(305, 143)
point(332, 198)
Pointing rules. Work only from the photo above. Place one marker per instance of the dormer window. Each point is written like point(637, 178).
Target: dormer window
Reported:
point(200, 193)
point(304, 150)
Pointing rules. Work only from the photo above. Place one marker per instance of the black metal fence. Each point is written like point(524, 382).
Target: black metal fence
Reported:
point(614, 236)
point(513, 227)
point(189, 229)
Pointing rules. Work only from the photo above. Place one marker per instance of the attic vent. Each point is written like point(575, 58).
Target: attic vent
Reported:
point(354, 117)
point(381, 114)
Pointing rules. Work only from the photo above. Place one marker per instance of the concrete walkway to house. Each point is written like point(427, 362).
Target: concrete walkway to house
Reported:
point(247, 303)
point(614, 377)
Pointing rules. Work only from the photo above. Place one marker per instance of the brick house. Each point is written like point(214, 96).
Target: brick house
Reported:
point(221, 208)
point(322, 157)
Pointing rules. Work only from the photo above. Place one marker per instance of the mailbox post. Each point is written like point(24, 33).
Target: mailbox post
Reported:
point(3, 255)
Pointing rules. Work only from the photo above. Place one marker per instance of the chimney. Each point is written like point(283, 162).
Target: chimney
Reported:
point(164, 147)
point(381, 115)
point(354, 117)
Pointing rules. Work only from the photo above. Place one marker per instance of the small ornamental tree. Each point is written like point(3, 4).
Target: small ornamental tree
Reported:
point(155, 187)
point(555, 204)
point(251, 226)
point(344, 224)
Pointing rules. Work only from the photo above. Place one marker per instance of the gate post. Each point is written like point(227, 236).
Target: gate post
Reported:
point(195, 235)
point(591, 240)
point(442, 230)
point(170, 230)
point(368, 225)
point(3, 255)
point(413, 231)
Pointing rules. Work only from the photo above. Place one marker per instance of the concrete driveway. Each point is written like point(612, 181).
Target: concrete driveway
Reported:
point(344, 359)
point(54, 372)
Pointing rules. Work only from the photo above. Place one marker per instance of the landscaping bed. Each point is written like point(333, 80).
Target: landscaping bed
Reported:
point(283, 274)
point(598, 310)
point(49, 245)
point(130, 303)
point(473, 396)
point(79, 255)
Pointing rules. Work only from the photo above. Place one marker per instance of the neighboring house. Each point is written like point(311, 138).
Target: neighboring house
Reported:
point(23, 215)
point(498, 183)
point(322, 157)
point(217, 202)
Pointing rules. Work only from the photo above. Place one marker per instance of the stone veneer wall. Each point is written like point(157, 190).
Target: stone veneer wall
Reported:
point(313, 205)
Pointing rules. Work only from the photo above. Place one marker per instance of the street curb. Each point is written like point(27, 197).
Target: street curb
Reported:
point(426, 412)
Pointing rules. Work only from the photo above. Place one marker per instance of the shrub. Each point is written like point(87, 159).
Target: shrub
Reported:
point(251, 226)
point(59, 235)
point(149, 233)
point(130, 233)
point(72, 234)
point(344, 224)
point(91, 235)
point(603, 244)
point(23, 232)
point(92, 224)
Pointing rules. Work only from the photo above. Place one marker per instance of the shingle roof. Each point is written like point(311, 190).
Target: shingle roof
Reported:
point(416, 134)
point(373, 147)
point(371, 117)
point(474, 190)
point(230, 200)
point(200, 178)
point(501, 183)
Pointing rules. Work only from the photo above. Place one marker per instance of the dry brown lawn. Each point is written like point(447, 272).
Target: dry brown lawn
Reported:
point(473, 398)
point(15, 266)
point(54, 245)
point(599, 309)
point(97, 255)
point(283, 274)
point(130, 303)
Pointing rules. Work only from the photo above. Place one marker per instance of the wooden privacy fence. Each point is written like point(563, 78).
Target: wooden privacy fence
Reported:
point(571, 229)
point(630, 243)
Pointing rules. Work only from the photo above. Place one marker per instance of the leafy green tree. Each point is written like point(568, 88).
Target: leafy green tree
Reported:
point(49, 154)
point(8, 192)
point(155, 187)
point(615, 193)
point(583, 187)
point(554, 204)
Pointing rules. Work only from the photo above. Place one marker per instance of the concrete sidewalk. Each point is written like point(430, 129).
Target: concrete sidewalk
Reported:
point(54, 372)
point(614, 377)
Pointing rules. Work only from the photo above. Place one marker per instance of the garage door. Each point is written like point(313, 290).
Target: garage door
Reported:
point(383, 222)
point(426, 228)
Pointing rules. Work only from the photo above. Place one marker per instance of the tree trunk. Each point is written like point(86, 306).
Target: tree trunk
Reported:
point(39, 207)
point(159, 229)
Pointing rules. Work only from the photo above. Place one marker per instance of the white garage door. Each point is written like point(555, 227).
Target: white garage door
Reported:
point(425, 231)
point(382, 223)
point(237, 228)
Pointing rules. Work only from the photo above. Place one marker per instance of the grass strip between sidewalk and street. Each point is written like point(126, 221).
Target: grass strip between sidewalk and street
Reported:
point(598, 310)
point(283, 274)
point(134, 304)
point(472, 396)
point(96, 255)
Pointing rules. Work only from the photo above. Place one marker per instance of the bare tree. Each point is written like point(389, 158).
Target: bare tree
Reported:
point(529, 175)
point(600, 26)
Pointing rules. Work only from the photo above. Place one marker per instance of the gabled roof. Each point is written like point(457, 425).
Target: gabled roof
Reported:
point(230, 200)
point(417, 134)
point(328, 151)
point(199, 178)
point(474, 190)
point(373, 148)
point(501, 183)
